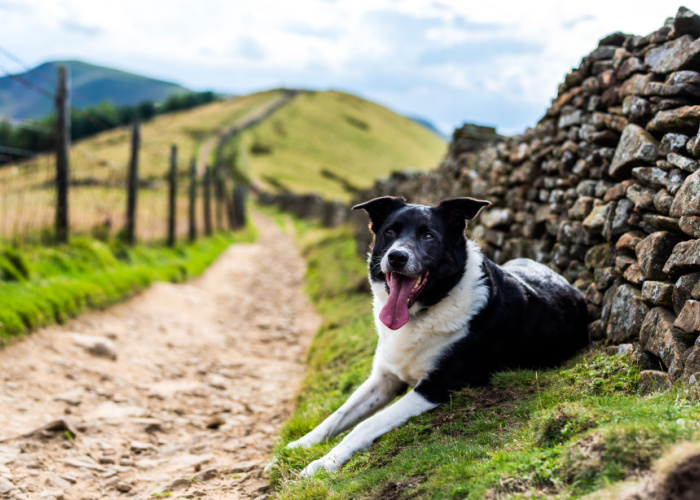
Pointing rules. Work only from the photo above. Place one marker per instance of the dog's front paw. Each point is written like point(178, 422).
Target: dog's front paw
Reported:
point(328, 462)
point(272, 464)
point(303, 442)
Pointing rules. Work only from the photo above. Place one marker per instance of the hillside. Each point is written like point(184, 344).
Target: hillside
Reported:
point(348, 136)
point(91, 85)
point(352, 137)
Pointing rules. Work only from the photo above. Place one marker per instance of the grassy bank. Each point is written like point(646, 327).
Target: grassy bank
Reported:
point(44, 285)
point(557, 433)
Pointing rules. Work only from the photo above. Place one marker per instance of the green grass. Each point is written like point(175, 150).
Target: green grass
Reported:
point(354, 138)
point(561, 433)
point(44, 285)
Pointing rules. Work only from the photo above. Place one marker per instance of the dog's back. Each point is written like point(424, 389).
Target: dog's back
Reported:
point(550, 300)
point(533, 319)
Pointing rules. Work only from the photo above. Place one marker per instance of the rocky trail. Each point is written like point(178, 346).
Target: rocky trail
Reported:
point(182, 389)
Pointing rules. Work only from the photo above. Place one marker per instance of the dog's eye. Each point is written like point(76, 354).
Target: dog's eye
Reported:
point(390, 232)
point(428, 236)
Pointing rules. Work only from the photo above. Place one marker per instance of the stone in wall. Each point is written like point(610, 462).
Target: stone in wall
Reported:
point(627, 314)
point(636, 147)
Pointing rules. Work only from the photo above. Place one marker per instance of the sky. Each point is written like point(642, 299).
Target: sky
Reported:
point(447, 61)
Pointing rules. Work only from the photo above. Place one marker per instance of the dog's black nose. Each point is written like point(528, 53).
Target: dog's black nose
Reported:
point(398, 258)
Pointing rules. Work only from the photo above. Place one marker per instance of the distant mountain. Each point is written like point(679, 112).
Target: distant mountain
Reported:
point(90, 85)
point(428, 125)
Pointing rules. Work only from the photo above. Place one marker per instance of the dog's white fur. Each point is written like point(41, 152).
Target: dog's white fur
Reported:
point(405, 355)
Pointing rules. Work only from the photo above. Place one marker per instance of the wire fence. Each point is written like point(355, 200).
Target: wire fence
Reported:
point(98, 188)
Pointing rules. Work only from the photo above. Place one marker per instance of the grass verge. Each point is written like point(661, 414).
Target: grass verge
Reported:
point(559, 433)
point(44, 285)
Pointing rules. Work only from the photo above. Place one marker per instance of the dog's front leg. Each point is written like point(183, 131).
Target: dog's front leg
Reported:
point(375, 393)
point(363, 435)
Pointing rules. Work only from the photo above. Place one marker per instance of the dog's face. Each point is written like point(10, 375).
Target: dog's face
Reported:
point(419, 252)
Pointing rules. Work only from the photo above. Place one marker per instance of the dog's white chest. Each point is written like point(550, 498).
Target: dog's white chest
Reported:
point(411, 354)
point(413, 350)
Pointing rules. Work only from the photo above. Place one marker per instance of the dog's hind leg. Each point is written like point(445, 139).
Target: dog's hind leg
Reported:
point(375, 393)
point(363, 435)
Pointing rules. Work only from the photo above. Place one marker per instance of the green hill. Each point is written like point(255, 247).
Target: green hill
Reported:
point(356, 139)
point(91, 85)
point(350, 137)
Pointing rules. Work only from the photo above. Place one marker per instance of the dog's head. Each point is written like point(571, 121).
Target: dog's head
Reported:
point(419, 252)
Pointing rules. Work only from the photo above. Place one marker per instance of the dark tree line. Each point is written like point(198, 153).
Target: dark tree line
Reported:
point(38, 137)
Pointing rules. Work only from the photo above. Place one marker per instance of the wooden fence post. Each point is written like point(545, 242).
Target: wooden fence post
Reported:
point(219, 193)
point(230, 209)
point(207, 201)
point(172, 198)
point(62, 149)
point(193, 199)
point(132, 184)
point(240, 193)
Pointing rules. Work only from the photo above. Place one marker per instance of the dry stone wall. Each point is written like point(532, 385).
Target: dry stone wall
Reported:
point(605, 190)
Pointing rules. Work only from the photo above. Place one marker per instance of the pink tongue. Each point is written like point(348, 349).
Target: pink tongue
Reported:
point(395, 313)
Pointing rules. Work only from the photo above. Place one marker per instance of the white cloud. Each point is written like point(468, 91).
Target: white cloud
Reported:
point(364, 46)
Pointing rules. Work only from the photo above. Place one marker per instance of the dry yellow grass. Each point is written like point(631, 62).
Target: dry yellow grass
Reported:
point(99, 165)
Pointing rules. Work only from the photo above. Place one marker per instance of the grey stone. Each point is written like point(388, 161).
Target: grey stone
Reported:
point(686, 22)
point(683, 290)
point(626, 315)
point(690, 225)
point(658, 293)
point(653, 222)
point(628, 67)
point(636, 108)
point(683, 120)
point(676, 178)
point(672, 143)
point(653, 252)
point(692, 362)
point(181, 483)
point(663, 201)
point(636, 147)
point(659, 338)
point(653, 381)
point(97, 346)
point(6, 486)
point(635, 85)
point(682, 162)
point(642, 197)
point(651, 176)
point(689, 318)
point(595, 221)
point(693, 146)
point(497, 217)
point(681, 53)
point(684, 259)
point(617, 222)
point(687, 201)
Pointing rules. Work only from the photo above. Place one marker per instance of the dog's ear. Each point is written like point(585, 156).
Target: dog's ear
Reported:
point(456, 210)
point(379, 209)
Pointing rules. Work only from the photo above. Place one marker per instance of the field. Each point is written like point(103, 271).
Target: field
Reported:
point(560, 433)
point(98, 174)
point(344, 134)
point(353, 138)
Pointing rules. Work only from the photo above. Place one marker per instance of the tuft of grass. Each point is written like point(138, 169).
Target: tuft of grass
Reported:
point(46, 285)
point(563, 432)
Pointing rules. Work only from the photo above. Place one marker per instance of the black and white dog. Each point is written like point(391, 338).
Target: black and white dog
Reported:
point(447, 317)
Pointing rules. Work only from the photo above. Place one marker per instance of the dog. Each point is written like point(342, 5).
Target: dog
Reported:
point(447, 317)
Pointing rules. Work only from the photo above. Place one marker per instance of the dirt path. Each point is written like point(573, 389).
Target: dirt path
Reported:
point(204, 376)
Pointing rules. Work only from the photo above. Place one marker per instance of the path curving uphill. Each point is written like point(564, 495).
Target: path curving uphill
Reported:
point(204, 375)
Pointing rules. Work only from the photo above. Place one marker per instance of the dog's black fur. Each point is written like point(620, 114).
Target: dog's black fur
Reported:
point(533, 317)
